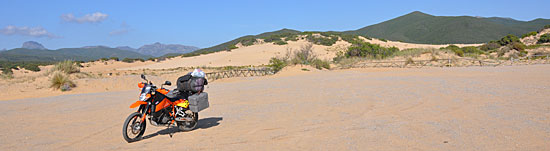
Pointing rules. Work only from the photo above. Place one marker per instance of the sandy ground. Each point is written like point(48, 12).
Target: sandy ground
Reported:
point(475, 108)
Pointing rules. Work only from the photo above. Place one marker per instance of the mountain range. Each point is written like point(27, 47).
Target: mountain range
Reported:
point(32, 51)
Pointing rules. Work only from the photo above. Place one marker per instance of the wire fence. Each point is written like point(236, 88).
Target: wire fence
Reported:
point(453, 62)
point(239, 73)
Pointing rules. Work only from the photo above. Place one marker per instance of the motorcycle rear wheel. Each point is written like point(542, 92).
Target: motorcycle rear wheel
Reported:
point(133, 128)
point(187, 126)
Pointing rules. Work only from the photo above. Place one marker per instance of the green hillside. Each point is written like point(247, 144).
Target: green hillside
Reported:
point(418, 27)
point(77, 54)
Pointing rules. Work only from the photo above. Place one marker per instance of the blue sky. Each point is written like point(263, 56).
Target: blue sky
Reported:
point(205, 23)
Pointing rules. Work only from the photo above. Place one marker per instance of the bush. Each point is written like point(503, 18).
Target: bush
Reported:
point(280, 42)
point(248, 41)
point(303, 56)
point(272, 38)
point(544, 38)
point(292, 38)
point(546, 26)
point(232, 47)
point(365, 49)
point(384, 40)
point(320, 64)
point(67, 66)
point(529, 34)
point(327, 41)
point(518, 46)
point(508, 39)
point(60, 80)
point(409, 61)
point(459, 52)
point(490, 46)
point(277, 64)
point(128, 60)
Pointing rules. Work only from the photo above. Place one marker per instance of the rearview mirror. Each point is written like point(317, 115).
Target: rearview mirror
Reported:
point(168, 83)
point(143, 77)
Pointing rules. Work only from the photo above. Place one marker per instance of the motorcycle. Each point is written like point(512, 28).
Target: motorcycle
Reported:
point(161, 108)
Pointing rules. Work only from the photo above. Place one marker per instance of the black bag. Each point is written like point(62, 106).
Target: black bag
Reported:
point(192, 84)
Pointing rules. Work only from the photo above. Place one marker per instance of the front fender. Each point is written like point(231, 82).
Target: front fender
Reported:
point(137, 103)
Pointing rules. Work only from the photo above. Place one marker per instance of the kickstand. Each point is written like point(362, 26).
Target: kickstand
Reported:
point(170, 131)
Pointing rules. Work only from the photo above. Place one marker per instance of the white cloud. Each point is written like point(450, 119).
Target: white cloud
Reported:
point(88, 18)
point(27, 31)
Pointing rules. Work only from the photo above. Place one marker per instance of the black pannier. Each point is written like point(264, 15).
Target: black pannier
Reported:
point(191, 84)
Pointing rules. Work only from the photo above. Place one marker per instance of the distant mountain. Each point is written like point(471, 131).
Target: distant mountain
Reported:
point(418, 27)
point(78, 54)
point(158, 49)
point(33, 45)
point(126, 48)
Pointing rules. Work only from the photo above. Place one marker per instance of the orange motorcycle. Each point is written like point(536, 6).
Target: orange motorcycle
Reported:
point(162, 108)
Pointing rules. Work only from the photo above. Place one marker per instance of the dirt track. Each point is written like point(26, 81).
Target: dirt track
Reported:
point(478, 108)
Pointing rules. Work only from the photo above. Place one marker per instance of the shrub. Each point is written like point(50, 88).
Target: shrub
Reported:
point(277, 64)
point(128, 60)
point(409, 61)
point(544, 38)
point(292, 37)
point(459, 52)
point(490, 46)
point(365, 49)
point(232, 47)
point(67, 66)
point(529, 34)
point(518, 46)
point(303, 56)
point(384, 40)
point(280, 42)
point(248, 41)
point(546, 26)
point(272, 38)
point(508, 39)
point(61, 81)
point(327, 41)
point(320, 64)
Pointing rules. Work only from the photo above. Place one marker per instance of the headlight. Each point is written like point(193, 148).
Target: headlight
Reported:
point(143, 96)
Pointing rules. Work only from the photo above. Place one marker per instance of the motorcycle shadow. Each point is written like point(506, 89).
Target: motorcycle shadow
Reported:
point(203, 124)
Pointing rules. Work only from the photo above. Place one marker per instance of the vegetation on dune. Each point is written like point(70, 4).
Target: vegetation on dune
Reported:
point(368, 50)
point(60, 80)
point(529, 34)
point(67, 66)
point(544, 39)
point(304, 56)
point(131, 60)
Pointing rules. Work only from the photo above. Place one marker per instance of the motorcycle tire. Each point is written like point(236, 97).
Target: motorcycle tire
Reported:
point(137, 130)
point(186, 126)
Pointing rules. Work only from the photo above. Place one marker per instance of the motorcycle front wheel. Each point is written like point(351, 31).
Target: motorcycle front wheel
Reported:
point(133, 128)
point(189, 125)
